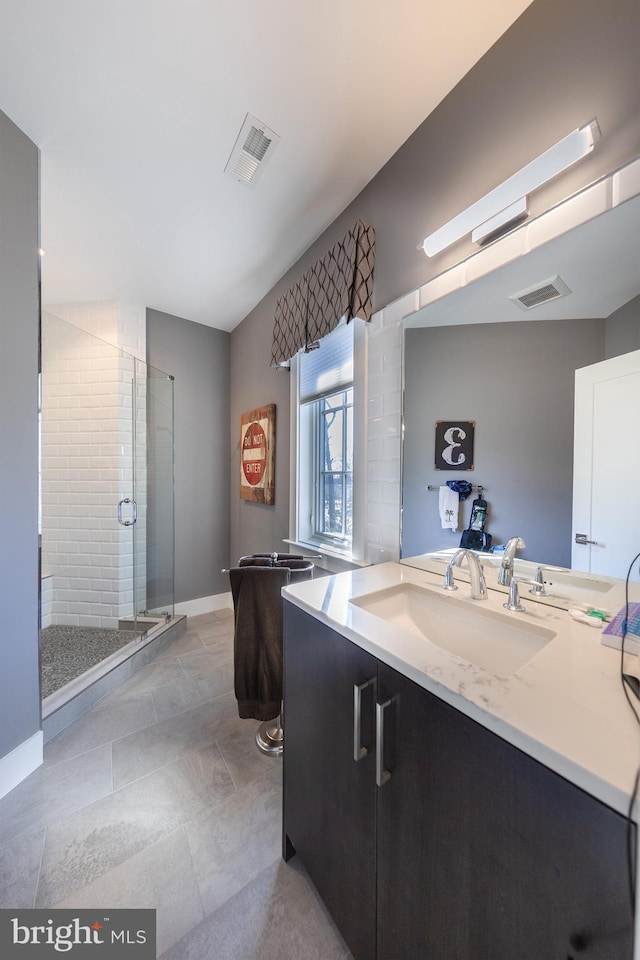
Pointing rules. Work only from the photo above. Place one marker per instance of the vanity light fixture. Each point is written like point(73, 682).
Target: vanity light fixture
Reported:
point(506, 205)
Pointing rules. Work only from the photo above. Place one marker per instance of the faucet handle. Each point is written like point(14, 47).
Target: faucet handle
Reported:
point(538, 588)
point(513, 603)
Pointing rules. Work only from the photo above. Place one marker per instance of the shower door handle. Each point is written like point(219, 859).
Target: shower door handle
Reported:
point(127, 523)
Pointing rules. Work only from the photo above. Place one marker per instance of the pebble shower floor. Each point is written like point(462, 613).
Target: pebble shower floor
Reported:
point(66, 652)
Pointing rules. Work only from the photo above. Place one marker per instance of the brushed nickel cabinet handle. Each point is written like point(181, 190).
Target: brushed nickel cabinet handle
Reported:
point(382, 776)
point(358, 750)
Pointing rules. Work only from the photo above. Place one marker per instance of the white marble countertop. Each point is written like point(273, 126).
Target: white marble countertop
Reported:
point(565, 707)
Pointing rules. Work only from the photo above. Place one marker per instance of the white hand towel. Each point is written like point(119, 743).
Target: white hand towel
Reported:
point(449, 505)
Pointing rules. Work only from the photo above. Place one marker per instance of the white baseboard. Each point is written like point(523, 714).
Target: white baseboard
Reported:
point(22, 761)
point(192, 608)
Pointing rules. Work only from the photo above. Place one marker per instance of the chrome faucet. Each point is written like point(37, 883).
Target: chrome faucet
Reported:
point(506, 567)
point(478, 585)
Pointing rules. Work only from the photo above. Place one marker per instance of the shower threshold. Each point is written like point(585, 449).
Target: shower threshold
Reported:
point(143, 622)
point(62, 706)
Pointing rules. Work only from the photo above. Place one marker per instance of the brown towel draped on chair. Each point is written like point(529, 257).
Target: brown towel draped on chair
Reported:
point(258, 622)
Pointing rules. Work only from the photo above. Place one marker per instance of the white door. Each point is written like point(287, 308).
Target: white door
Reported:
point(606, 467)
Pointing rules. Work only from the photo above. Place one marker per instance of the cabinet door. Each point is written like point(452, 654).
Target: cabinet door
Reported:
point(485, 853)
point(329, 798)
point(423, 859)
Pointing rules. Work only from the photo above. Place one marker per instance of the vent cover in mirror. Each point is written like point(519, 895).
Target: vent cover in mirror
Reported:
point(540, 293)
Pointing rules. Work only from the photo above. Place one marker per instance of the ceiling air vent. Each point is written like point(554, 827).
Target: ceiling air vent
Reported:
point(254, 145)
point(542, 292)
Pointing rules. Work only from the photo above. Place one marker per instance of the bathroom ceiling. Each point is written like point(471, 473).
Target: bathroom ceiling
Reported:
point(136, 105)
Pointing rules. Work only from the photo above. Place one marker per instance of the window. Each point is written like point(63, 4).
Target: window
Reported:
point(326, 442)
point(333, 515)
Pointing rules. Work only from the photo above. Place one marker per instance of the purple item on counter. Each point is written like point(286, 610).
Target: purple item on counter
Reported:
point(617, 625)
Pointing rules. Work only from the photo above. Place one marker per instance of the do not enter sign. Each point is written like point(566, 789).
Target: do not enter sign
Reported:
point(257, 450)
point(254, 453)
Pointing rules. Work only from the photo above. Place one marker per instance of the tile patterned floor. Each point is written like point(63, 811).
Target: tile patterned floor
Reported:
point(159, 798)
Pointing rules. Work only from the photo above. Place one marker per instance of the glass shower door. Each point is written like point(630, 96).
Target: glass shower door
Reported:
point(154, 484)
point(106, 503)
point(87, 507)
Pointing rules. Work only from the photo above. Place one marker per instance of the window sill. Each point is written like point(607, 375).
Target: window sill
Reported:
point(335, 561)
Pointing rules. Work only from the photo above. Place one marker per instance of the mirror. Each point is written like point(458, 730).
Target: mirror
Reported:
point(479, 356)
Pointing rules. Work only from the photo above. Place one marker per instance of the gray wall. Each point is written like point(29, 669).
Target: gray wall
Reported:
point(516, 380)
point(19, 675)
point(256, 527)
point(623, 329)
point(198, 358)
point(559, 65)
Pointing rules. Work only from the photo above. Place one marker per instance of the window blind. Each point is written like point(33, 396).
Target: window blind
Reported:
point(330, 367)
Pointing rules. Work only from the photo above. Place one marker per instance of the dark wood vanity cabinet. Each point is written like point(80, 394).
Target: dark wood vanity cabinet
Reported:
point(484, 853)
point(469, 849)
point(329, 800)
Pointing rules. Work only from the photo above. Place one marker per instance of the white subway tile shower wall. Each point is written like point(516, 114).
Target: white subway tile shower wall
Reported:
point(122, 324)
point(87, 469)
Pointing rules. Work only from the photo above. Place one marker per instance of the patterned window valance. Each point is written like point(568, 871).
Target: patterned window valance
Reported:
point(339, 284)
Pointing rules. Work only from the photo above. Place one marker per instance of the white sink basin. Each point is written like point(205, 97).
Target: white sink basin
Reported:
point(497, 642)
